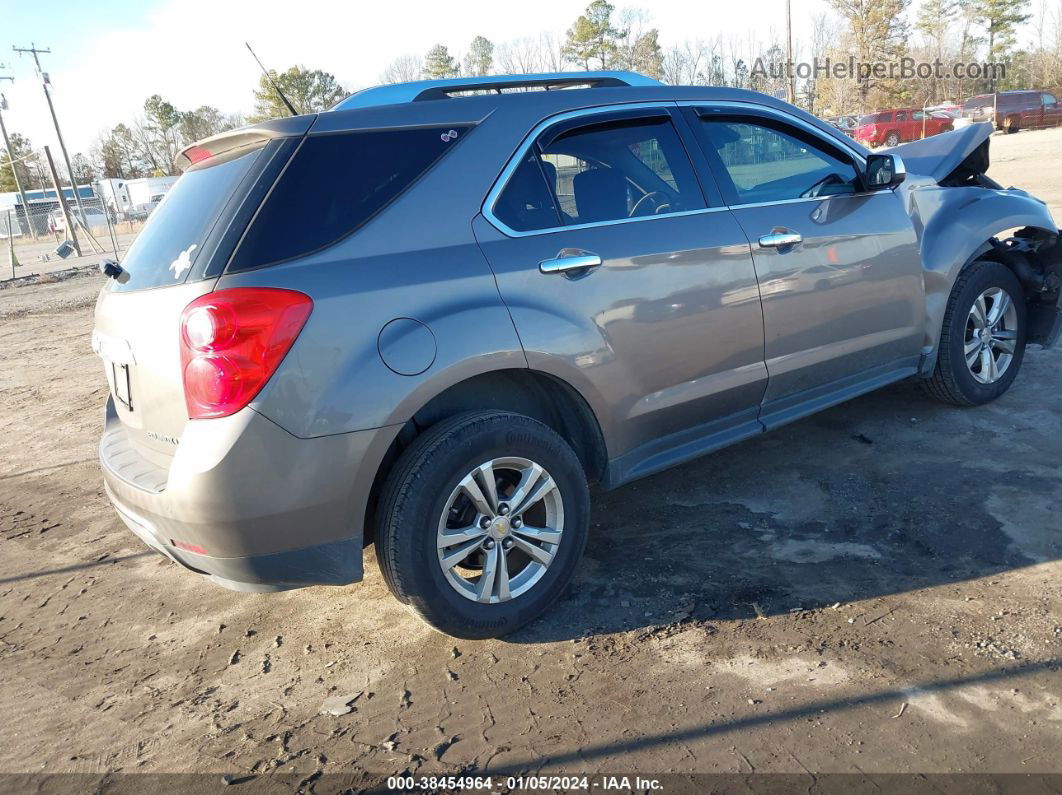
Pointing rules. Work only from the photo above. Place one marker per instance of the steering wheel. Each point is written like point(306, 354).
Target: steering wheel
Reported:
point(638, 203)
point(829, 179)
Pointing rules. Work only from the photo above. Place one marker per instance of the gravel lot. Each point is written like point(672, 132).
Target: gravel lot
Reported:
point(874, 589)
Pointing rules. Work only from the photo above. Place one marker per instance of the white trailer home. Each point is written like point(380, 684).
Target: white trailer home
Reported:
point(135, 198)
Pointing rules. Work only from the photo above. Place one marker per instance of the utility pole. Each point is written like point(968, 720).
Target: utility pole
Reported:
point(62, 201)
point(45, 82)
point(11, 157)
point(790, 82)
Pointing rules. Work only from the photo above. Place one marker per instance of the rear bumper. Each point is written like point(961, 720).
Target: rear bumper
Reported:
point(250, 506)
point(338, 563)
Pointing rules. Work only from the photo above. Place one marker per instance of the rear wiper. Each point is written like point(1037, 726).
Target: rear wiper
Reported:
point(112, 269)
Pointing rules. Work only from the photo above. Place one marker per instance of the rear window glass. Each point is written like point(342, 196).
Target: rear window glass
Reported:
point(334, 184)
point(171, 240)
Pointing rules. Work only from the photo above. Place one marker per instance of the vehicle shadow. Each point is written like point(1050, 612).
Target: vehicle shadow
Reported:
point(885, 494)
point(103, 561)
point(586, 754)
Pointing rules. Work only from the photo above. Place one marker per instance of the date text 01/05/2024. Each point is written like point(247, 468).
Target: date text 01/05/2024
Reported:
point(548, 783)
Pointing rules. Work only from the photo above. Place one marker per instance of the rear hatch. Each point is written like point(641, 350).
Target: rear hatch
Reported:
point(176, 258)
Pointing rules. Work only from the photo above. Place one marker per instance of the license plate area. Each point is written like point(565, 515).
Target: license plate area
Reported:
point(120, 381)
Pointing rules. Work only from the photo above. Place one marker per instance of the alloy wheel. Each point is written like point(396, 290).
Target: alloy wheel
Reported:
point(500, 530)
point(991, 335)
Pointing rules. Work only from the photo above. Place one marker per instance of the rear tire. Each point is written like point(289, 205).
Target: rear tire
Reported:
point(974, 367)
point(1010, 124)
point(470, 563)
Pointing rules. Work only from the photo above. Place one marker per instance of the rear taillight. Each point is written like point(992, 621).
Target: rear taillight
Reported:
point(232, 342)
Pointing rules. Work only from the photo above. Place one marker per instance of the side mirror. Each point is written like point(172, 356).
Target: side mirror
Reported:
point(885, 171)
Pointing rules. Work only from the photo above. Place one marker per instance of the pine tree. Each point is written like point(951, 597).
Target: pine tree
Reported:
point(21, 151)
point(309, 90)
point(1000, 19)
point(593, 37)
point(480, 58)
point(438, 63)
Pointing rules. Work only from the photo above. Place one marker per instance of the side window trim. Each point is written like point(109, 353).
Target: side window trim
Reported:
point(790, 126)
point(550, 135)
point(583, 118)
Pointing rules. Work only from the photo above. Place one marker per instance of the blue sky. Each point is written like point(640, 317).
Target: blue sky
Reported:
point(108, 56)
point(63, 24)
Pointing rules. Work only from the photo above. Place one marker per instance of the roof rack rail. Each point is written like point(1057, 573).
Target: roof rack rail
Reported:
point(420, 90)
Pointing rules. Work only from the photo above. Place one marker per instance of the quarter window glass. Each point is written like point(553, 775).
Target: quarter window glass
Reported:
point(334, 184)
point(601, 172)
point(767, 164)
point(527, 202)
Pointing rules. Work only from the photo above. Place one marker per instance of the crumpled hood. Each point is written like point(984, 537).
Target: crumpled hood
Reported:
point(939, 155)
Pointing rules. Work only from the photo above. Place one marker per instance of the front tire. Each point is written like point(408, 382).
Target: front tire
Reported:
point(982, 342)
point(892, 139)
point(482, 522)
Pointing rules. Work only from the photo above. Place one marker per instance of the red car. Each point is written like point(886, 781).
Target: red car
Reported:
point(892, 127)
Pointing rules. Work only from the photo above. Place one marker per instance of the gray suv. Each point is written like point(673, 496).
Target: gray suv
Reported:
point(428, 318)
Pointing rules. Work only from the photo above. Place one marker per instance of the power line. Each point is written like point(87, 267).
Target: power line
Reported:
point(12, 160)
point(45, 82)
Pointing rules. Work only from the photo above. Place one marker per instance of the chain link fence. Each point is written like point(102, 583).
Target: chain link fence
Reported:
point(36, 239)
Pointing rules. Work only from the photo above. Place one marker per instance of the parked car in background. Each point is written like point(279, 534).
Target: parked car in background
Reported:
point(892, 127)
point(845, 124)
point(1015, 110)
point(948, 108)
point(428, 318)
point(94, 218)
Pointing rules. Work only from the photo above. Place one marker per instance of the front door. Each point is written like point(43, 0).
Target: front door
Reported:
point(623, 282)
point(839, 267)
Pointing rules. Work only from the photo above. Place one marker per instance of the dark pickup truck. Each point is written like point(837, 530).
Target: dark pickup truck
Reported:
point(1015, 110)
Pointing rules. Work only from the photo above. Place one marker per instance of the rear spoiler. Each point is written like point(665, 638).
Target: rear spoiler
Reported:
point(228, 145)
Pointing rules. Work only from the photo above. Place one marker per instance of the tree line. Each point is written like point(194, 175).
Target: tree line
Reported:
point(606, 38)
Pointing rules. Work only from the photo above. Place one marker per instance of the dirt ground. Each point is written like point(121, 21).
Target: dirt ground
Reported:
point(874, 589)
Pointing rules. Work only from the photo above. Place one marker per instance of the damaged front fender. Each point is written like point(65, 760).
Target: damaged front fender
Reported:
point(959, 225)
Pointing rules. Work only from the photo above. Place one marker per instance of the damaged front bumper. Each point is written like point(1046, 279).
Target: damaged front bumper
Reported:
point(1036, 260)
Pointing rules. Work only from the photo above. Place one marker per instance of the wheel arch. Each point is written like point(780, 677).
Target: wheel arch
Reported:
point(965, 229)
point(534, 393)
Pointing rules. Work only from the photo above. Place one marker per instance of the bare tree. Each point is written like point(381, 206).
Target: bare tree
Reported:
point(522, 56)
point(402, 69)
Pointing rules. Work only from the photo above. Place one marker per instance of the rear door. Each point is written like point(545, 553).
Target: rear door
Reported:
point(1032, 109)
point(1052, 112)
point(624, 281)
point(838, 267)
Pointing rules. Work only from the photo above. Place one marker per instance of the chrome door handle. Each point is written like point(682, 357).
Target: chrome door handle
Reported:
point(574, 262)
point(780, 239)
